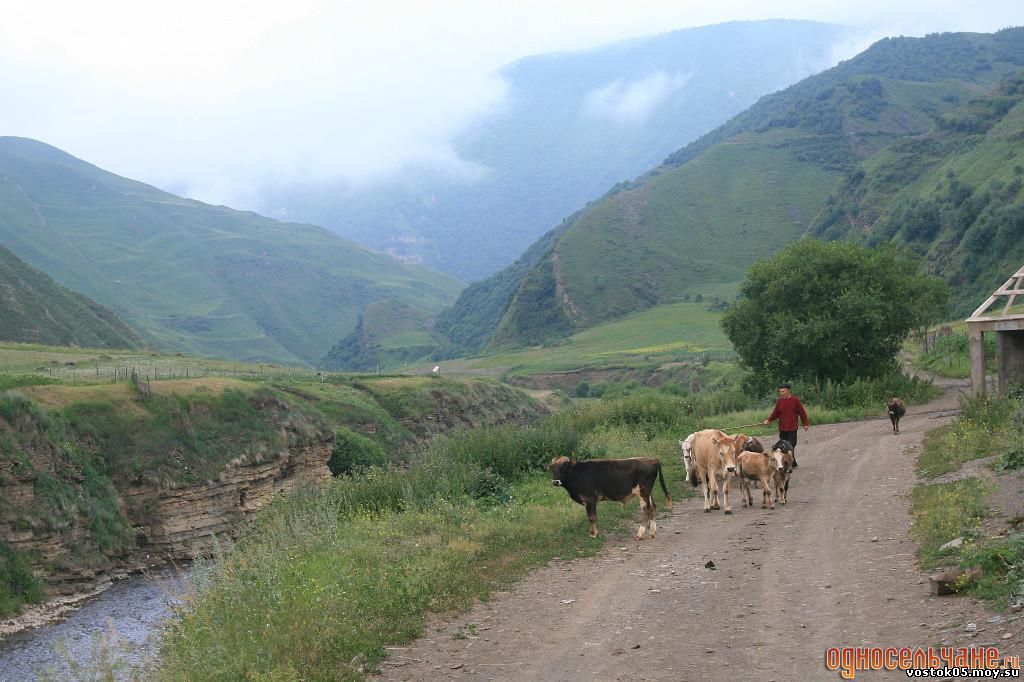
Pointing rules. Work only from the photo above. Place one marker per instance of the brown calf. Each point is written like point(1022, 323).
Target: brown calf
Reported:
point(783, 458)
point(756, 466)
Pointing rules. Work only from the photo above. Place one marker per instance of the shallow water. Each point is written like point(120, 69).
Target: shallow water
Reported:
point(123, 623)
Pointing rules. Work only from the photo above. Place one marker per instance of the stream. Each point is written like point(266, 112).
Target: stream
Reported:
point(120, 625)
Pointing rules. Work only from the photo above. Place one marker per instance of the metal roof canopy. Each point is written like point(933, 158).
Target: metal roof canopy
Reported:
point(1009, 329)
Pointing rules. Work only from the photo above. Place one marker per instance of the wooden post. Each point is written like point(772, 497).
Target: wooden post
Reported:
point(977, 346)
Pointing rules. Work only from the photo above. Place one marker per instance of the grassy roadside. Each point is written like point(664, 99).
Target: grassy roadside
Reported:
point(985, 427)
point(966, 508)
point(323, 603)
point(328, 577)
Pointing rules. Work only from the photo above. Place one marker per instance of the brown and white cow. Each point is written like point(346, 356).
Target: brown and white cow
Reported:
point(592, 480)
point(782, 457)
point(714, 458)
point(756, 466)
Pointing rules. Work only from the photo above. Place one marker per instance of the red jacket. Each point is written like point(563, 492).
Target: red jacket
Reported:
point(786, 411)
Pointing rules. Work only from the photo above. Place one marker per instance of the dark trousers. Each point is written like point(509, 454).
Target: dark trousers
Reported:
point(789, 437)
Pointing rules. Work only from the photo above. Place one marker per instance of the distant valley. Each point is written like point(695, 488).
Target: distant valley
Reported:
point(570, 127)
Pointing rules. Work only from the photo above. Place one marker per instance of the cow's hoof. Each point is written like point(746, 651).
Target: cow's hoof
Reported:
point(707, 509)
point(728, 511)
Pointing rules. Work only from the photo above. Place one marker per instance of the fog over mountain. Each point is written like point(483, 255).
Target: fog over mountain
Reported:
point(569, 127)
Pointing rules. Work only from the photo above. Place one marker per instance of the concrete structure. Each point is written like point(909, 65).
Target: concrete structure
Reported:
point(1008, 326)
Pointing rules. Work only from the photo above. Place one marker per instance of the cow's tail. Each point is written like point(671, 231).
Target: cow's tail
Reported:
point(693, 476)
point(661, 478)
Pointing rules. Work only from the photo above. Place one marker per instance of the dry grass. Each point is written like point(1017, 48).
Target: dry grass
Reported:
point(214, 385)
point(57, 396)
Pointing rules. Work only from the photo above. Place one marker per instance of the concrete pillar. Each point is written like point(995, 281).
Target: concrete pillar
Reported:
point(977, 347)
point(1010, 363)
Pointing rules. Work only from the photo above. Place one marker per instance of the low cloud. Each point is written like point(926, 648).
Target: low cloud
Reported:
point(632, 101)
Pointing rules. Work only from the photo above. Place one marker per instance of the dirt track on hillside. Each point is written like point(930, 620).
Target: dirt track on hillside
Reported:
point(835, 567)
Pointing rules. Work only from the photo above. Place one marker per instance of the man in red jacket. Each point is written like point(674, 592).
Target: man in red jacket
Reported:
point(788, 409)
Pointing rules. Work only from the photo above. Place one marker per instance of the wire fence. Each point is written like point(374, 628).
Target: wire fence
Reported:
point(162, 371)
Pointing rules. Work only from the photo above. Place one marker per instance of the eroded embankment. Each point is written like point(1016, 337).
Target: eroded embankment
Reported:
point(100, 481)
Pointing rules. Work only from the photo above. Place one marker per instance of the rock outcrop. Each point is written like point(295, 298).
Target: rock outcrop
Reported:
point(171, 524)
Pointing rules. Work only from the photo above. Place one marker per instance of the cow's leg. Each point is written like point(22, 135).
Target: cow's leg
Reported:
point(725, 495)
point(705, 488)
point(653, 518)
point(592, 516)
point(765, 483)
point(644, 507)
point(744, 492)
point(648, 508)
point(713, 481)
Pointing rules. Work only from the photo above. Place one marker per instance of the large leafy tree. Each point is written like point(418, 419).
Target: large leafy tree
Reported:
point(830, 311)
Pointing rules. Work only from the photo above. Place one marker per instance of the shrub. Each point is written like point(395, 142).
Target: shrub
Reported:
point(487, 486)
point(353, 451)
point(18, 584)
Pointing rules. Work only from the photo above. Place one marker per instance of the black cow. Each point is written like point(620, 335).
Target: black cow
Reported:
point(592, 480)
point(753, 445)
point(896, 410)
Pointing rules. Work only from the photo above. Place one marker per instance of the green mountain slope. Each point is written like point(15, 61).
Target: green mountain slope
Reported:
point(953, 195)
point(35, 309)
point(389, 334)
point(693, 225)
point(192, 277)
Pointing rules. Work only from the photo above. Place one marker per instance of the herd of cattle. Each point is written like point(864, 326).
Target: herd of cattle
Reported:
point(711, 459)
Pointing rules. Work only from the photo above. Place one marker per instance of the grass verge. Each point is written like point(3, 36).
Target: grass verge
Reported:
point(987, 426)
point(946, 511)
point(318, 589)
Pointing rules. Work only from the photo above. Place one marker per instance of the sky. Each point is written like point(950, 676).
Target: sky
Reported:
point(218, 98)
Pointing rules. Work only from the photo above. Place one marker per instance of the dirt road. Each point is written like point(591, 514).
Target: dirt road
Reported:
point(835, 567)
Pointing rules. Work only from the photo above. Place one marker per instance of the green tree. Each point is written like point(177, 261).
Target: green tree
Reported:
point(834, 311)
